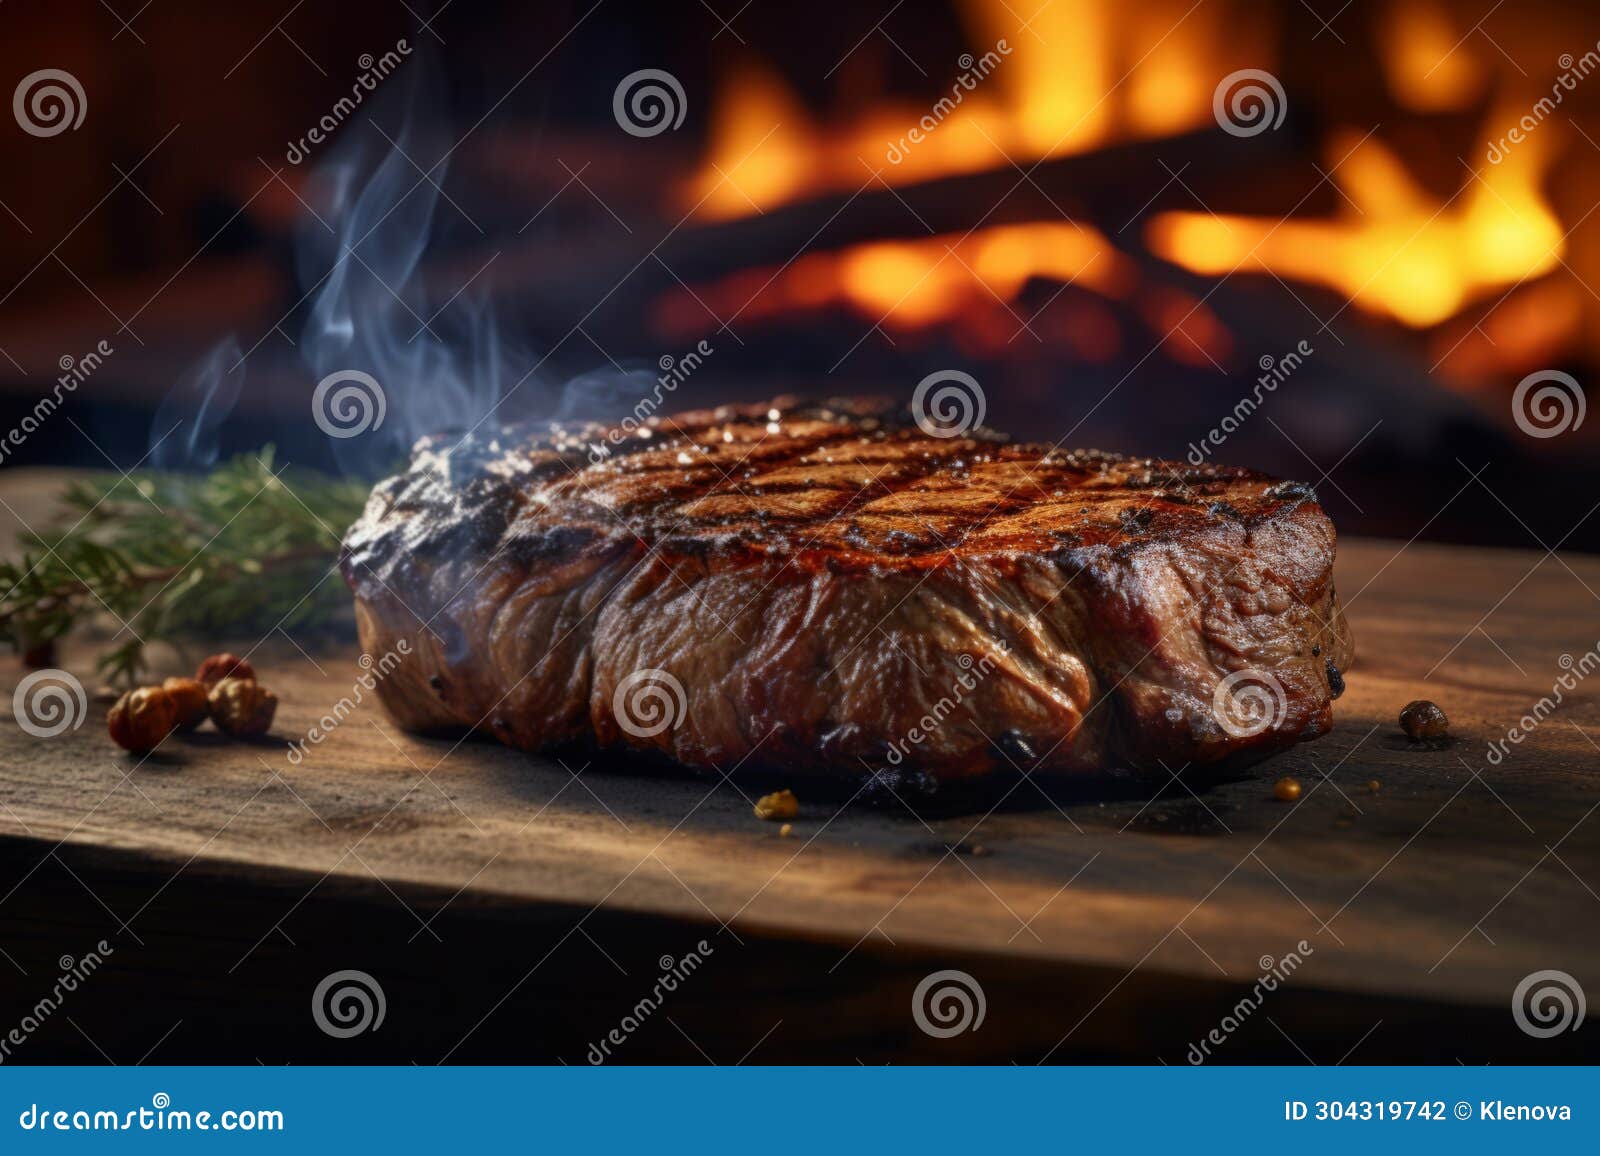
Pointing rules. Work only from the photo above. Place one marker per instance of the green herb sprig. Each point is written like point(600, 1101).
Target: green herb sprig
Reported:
point(242, 549)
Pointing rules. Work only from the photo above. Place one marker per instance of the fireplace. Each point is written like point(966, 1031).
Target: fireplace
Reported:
point(1354, 247)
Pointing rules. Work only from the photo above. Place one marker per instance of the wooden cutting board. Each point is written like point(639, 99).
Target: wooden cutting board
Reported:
point(1410, 871)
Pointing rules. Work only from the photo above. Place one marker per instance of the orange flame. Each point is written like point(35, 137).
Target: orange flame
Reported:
point(907, 284)
point(1065, 76)
point(1050, 77)
point(1428, 67)
point(1393, 249)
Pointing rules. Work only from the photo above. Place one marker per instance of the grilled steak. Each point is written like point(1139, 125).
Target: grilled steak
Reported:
point(826, 589)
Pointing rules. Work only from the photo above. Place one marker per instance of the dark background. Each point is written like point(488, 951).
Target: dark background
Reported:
point(171, 220)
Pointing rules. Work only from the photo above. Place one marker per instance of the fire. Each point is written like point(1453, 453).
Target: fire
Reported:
point(1057, 97)
point(769, 147)
point(1427, 67)
point(907, 284)
point(1393, 248)
point(1066, 76)
point(1045, 78)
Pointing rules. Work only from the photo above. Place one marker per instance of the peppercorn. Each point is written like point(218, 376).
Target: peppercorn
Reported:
point(778, 805)
point(141, 718)
point(1286, 789)
point(189, 698)
point(220, 666)
point(242, 707)
point(1422, 719)
point(1335, 678)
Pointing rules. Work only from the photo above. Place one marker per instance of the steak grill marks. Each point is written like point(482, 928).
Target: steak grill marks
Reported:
point(846, 553)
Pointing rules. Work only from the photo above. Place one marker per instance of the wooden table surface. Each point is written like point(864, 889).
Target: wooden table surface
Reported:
point(1410, 872)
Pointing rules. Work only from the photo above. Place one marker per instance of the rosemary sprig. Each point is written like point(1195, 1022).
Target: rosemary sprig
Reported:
point(169, 556)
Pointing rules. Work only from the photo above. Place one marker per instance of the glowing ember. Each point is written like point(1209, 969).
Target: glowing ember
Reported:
point(907, 284)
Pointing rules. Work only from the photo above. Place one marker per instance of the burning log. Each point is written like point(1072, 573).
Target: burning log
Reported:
point(558, 276)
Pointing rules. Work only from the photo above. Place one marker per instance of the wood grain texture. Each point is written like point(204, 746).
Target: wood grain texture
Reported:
point(1449, 883)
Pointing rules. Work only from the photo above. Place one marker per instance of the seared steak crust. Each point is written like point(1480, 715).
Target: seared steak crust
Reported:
point(836, 591)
